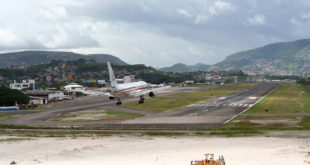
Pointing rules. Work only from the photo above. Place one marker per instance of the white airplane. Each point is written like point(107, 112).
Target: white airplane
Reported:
point(133, 89)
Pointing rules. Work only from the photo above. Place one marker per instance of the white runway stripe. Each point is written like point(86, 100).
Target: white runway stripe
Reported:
point(222, 98)
point(213, 104)
point(218, 104)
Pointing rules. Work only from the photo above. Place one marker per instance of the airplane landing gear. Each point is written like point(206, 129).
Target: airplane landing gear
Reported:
point(118, 103)
point(141, 101)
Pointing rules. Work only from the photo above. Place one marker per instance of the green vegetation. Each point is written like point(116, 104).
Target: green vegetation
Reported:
point(8, 97)
point(44, 57)
point(181, 68)
point(160, 104)
point(14, 139)
point(4, 126)
point(249, 125)
point(82, 69)
point(287, 98)
point(286, 56)
point(285, 107)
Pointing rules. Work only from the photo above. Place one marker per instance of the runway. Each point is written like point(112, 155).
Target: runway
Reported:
point(211, 113)
point(202, 115)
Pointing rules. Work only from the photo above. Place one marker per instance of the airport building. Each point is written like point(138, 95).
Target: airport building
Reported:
point(74, 87)
point(44, 96)
point(23, 85)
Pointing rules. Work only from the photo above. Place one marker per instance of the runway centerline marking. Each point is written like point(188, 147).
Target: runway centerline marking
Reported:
point(252, 98)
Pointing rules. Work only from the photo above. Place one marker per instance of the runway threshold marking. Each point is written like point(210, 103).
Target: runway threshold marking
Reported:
point(217, 104)
point(220, 104)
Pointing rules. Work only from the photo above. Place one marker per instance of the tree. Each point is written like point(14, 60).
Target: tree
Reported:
point(8, 97)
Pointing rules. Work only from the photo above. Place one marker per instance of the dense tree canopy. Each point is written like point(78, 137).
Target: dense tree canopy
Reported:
point(8, 97)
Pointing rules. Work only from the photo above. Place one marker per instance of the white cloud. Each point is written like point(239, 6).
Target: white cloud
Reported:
point(201, 18)
point(212, 10)
point(301, 20)
point(157, 33)
point(294, 21)
point(219, 5)
point(305, 15)
point(258, 19)
point(184, 12)
point(9, 39)
point(194, 51)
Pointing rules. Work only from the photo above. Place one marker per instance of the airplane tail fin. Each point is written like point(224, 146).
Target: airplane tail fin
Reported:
point(112, 77)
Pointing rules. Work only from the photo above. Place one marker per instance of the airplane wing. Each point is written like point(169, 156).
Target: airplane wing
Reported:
point(149, 91)
point(98, 93)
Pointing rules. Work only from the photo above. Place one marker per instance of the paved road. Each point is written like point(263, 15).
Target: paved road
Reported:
point(213, 112)
point(206, 114)
point(44, 117)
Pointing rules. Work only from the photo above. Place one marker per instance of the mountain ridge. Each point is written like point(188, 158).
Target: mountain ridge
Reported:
point(181, 68)
point(29, 58)
point(282, 58)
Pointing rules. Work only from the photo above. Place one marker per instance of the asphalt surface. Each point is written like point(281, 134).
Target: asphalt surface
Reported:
point(206, 114)
point(45, 117)
point(212, 113)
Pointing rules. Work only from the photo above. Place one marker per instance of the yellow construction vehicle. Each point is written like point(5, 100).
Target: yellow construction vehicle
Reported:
point(209, 160)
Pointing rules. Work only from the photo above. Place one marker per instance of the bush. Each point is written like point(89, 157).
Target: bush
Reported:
point(8, 97)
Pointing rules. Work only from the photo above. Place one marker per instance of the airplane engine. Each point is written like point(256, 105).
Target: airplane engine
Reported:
point(152, 94)
point(111, 97)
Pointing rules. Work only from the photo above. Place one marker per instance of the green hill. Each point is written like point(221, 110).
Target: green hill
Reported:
point(181, 68)
point(81, 70)
point(28, 58)
point(286, 58)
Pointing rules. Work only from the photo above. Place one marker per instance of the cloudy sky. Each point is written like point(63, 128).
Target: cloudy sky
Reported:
point(153, 32)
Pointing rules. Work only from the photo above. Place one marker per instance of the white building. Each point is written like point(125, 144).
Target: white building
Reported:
point(44, 96)
point(23, 85)
point(189, 82)
point(74, 87)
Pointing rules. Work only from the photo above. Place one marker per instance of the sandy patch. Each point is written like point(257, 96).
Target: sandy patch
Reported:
point(288, 122)
point(88, 115)
point(155, 150)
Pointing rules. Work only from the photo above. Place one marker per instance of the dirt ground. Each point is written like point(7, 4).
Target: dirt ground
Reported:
point(148, 150)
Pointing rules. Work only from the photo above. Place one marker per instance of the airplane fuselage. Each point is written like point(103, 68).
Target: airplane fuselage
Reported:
point(130, 88)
